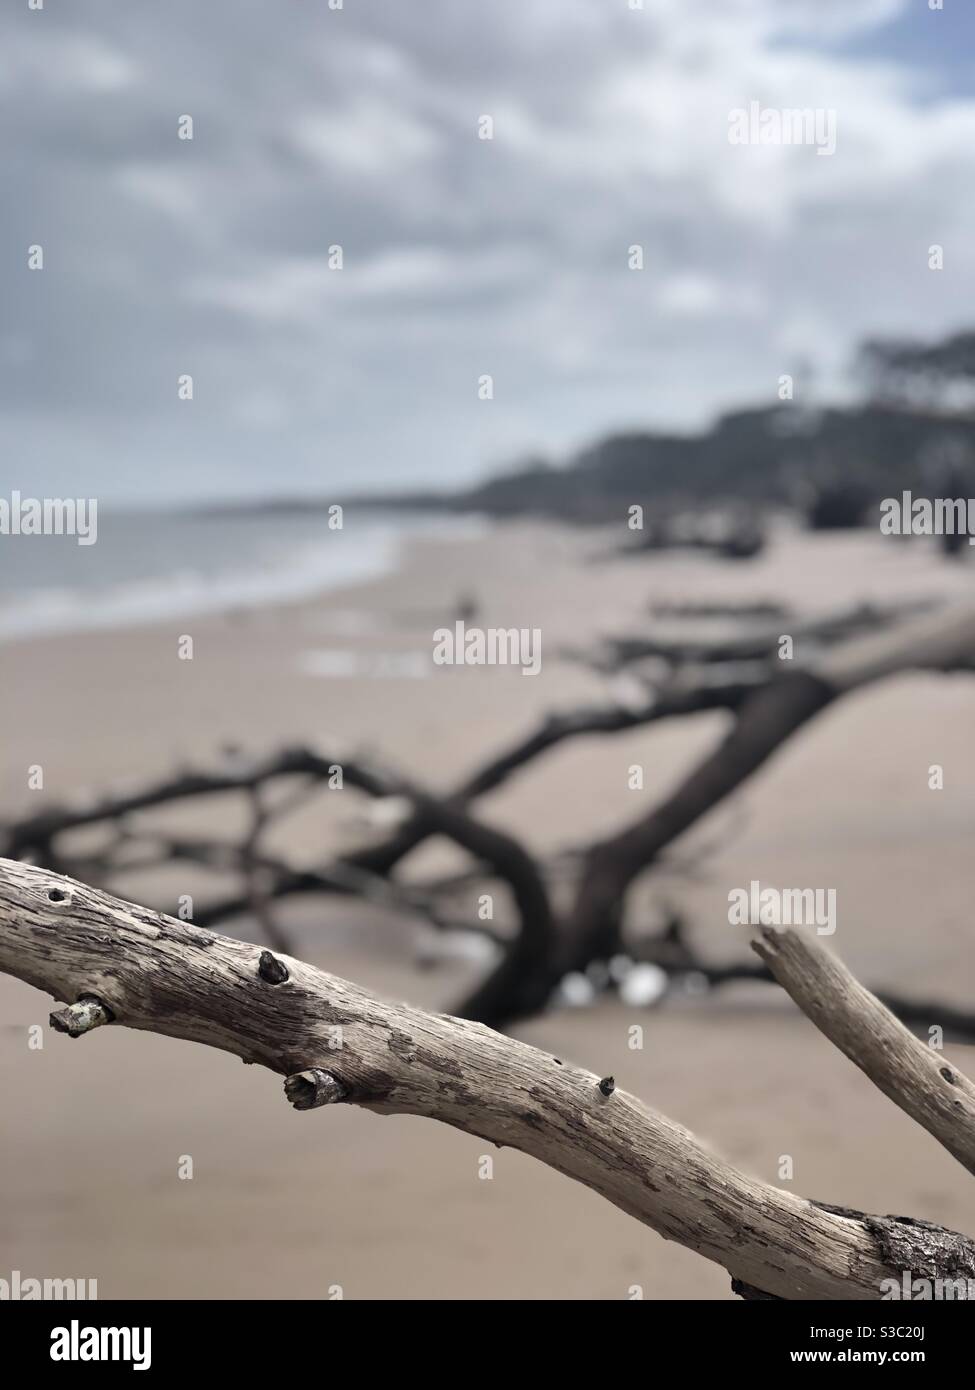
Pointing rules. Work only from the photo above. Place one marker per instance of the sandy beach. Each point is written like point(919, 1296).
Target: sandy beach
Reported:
point(293, 1205)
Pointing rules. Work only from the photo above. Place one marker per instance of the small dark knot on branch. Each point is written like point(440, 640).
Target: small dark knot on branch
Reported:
point(89, 1012)
point(608, 1085)
point(307, 1090)
point(274, 971)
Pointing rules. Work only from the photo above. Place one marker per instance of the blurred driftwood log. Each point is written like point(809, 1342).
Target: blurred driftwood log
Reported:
point(766, 708)
point(114, 963)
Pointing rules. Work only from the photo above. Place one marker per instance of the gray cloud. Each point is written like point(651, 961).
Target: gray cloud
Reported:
point(357, 127)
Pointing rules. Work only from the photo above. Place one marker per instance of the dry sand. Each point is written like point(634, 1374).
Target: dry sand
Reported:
point(289, 1205)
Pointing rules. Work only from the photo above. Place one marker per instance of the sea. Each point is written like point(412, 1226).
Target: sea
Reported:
point(146, 566)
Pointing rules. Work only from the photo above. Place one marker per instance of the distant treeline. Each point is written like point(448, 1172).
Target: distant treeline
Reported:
point(915, 430)
point(831, 463)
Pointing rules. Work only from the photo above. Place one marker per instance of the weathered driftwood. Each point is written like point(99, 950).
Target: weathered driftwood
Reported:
point(336, 1043)
point(617, 653)
point(914, 1076)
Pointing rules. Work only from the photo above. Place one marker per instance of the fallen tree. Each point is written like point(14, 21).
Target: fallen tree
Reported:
point(116, 964)
point(765, 719)
point(767, 708)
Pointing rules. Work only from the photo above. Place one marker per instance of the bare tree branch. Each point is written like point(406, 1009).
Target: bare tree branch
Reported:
point(760, 644)
point(766, 719)
point(914, 1076)
point(692, 692)
point(336, 1044)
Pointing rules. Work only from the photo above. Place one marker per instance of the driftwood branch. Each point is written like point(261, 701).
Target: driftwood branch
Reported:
point(766, 719)
point(914, 1076)
point(336, 1043)
point(755, 644)
point(692, 692)
point(265, 880)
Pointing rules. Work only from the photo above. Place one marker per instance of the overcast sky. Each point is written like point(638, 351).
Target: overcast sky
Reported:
point(359, 127)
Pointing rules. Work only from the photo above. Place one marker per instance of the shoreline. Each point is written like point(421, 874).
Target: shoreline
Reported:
point(302, 573)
